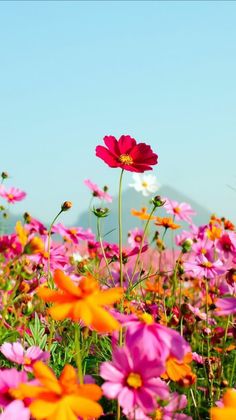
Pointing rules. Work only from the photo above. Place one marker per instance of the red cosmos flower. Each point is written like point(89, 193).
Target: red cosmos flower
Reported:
point(127, 154)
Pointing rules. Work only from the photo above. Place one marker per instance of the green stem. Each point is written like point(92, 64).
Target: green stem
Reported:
point(141, 245)
point(49, 244)
point(120, 228)
point(102, 248)
point(78, 353)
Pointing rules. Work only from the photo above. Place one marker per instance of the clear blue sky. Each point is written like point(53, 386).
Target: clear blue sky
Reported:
point(71, 72)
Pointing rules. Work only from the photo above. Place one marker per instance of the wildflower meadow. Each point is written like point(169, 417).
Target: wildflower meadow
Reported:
point(138, 329)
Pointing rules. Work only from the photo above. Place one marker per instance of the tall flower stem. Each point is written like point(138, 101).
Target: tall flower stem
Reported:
point(120, 228)
point(209, 373)
point(141, 245)
point(78, 353)
point(102, 249)
point(49, 244)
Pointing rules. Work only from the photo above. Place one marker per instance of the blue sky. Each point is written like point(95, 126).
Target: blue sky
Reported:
point(72, 72)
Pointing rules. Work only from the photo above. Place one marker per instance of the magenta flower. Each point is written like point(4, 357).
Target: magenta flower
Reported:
point(16, 353)
point(15, 410)
point(226, 306)
point(9, 379)
point(127, 154)
point(97, 192)
point(74, 234)
point(155, 340)
point(12, 195)
point(181, 211)
point(134, 379)
point(200, 266)
point(227, 244)
point(135, 237)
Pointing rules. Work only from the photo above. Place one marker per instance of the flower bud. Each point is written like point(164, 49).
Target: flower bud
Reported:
point(4, 175)
point(187, 245)
point(66, 205)
point(157, 201)
point(101, 212)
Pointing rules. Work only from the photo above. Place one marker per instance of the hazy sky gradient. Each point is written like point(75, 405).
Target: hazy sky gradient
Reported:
point(72, 72)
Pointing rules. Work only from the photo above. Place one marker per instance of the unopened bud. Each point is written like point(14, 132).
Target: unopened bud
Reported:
point(157, 201)
point(105, 188)
point(27, 217)
point(66, 205)
point(100, 212)
point(187, 245)
point(4, 175)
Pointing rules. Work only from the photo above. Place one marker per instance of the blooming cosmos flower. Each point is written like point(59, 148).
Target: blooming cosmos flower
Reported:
point(16, 353)
point(9, 379)
point(135, 237)
point(181, 211)
point(73, 234)
point(16, 409)
point(127, 154)
point(228, 411)
point(83, 302)
point(200, 266)
point(97, 192)
point(133, 379)
point(226, 306)
point(146, 184)
point(63, 398)
point(157, 340)
point(142, 214)
point(167, 223)
point(12, 195)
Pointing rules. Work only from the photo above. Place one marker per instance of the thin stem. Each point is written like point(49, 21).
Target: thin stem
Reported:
point(120, 227)
point(102, 248)
point(141, 245)
point(49, 244)
point(78, 353)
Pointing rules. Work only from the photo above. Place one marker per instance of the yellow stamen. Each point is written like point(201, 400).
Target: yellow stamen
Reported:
point(147, 318)
point(126, 159)
point(144, 184)
point(134, 380)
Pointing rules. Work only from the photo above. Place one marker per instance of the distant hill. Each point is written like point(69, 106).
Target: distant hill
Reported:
point(133, 199)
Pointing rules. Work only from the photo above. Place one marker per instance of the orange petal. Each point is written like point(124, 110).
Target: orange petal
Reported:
point(68, 378)
point(90, 391)
point(66, 284)
point(81, 311)
point(48, 295)
point(83, 407)
point(229, 398)
point(46, 377)
point(103, 321)
point(109, 297)
point(61, 311)
point(223, 413)
point(43, 409)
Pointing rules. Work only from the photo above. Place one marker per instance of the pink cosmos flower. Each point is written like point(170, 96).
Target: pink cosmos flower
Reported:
point(133, 379)
point(135, 237)
point(15, 410)
point(155, 340)
point(227, 244)
point(181, 211)
point(201, 267)
point(10, 246)
point(73, 234)
point(97, 192)
point(127, 154)
point(16, 353)
point(35, 226)
point(9, 378)
point(58, 258)
point(226, 306)
point(12, 195)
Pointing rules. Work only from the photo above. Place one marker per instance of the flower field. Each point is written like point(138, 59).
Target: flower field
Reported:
point(129, 330)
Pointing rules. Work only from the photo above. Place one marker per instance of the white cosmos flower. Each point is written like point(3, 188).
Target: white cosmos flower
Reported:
point(147, 184)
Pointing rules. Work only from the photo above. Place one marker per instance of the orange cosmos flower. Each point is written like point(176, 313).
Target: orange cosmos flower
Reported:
point(83, 302)
point(176, 369)
point(59, 399)
point(213, 232)
point(142, 214)
point(229, 410)
point(167, 223)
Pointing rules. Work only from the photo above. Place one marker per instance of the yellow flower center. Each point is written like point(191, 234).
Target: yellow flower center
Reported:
point(144, 184)
point(138, 238)
point(134, 380)
point(147, 318)
point(177, 210)
point(158, 415)
point(207, 264)
point(27, 361)
point(73, 231)
point(126, 159)
point(10, 196)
